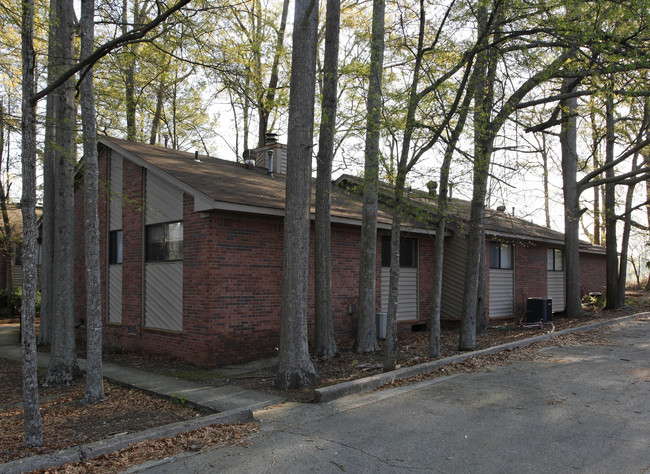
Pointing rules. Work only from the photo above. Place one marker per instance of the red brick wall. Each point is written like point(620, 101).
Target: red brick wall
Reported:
point(425, 276)
point(232, 280)
point(592, 273)
point(530, 274)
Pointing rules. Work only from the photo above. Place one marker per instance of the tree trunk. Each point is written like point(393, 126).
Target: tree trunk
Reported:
point(155, 121)
point(129, 73)
point(647, 191)
point(625, 243)
point(32, 414)
point(547, 195)
point(7, 244)
point(439, 247)
point(596, 164)
point(94, 376)
point(47, 222)
point(568, 141)
point(483, 139)
point(390, 356)
point(63, 367)
point(295, 367)
point(366, 339)
point(268, 104)
point(324, 342)
point(481, 292)
point(611, 244)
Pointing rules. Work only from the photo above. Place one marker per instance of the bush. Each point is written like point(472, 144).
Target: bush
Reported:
point(13, 301)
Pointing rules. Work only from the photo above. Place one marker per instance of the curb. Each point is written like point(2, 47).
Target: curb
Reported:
point(98, 448)
point(354, 387)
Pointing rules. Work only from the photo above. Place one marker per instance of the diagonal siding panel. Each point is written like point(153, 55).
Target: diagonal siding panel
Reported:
point(164, 201)
point(164, 295)
point(115, 294)
point(453, 278)
point(115, 206)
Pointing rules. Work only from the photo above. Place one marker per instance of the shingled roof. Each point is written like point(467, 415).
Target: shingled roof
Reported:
point(497, 223)
point(228, 185)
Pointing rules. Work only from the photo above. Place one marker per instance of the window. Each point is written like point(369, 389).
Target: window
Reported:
point(500, 255)
point(164, 242)
point(408, 252)
point(115, 247)
point(555, 260)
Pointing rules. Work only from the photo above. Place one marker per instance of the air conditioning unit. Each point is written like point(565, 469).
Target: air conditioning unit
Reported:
point(539, 309)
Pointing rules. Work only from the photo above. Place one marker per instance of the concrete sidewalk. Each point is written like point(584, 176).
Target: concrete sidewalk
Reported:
point(217, 399)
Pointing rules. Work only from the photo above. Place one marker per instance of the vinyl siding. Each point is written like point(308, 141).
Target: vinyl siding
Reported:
point(17, 276)
point(556, 286)
point(115, 294)
point(163, 290)
point(164, 201)
point(407, 304)
point(501, 293)
point(164, 295)
point(453, 277)
point(115, 209)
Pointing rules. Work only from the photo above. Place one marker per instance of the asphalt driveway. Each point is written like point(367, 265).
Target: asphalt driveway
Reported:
point(582, 408)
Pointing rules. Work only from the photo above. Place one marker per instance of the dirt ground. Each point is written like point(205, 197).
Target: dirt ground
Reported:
point(67, 422)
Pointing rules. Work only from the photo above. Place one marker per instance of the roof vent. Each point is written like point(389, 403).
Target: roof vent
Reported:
point(271, 138)
point(270, 162)
point(196, 157)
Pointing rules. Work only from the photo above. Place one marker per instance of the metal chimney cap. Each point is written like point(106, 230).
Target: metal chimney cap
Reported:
point(271, 138)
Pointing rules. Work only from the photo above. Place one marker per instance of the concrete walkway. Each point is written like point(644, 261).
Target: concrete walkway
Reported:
point(217, 399)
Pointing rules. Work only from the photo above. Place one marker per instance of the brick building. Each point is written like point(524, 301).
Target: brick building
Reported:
point(191, 254)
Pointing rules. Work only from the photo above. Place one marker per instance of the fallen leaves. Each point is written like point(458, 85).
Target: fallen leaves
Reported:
point(68, 422)
point(196, 440)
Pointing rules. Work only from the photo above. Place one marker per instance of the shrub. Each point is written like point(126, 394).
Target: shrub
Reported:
point(15, 299)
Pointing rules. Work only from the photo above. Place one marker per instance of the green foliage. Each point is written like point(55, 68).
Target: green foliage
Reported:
point(179, 399)
point(597, 300)
point(13, 300)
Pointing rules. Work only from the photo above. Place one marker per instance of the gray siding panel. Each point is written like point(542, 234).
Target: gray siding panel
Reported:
point(407, 304)
point(115, 294)
point(115, 209)
point(453, 277)
point(17, 276)
point(501, 293)
point(164, 201)
point(164, 295)
point(555, 281)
